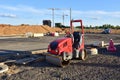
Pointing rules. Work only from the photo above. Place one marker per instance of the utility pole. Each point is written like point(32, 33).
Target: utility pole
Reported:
point(70, 14)
point(53, 14)
point(70, 19)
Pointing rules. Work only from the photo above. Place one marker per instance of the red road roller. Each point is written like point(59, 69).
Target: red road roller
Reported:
point(62, 50)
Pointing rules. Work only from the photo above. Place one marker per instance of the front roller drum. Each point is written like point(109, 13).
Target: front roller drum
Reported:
point(57, 60)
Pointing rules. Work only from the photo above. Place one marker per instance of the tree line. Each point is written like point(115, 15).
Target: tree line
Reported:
point(105, 26)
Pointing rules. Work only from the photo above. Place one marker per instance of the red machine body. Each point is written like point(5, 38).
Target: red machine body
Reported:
point(60, 45)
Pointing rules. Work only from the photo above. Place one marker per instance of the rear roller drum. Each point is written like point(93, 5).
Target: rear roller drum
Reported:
point(83, 55)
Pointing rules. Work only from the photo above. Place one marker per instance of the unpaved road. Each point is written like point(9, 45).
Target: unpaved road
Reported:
point(104, 66)
point(24, 44)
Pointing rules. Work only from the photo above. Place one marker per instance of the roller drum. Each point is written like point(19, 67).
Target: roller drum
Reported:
point(56, 60)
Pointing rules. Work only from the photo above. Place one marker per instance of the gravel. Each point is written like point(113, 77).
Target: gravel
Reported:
point(104, 66)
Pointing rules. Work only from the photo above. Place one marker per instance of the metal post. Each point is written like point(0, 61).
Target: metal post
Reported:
point(70, 22)
point(53, 16)
point(70, 14)
point(63, 18)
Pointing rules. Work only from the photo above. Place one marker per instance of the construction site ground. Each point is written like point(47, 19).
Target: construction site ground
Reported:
point(104, 66)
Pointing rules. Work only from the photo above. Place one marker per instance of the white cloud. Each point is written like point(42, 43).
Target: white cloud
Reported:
point(8, 15)
point(23, 8)
point(28, 9)
point(40, 14)
point(88, 12)
point(8, 7)
point(97, 13)
point(94, 18)
point(31, 9)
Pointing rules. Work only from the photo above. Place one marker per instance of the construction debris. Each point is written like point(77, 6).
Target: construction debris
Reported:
point(25, 61)
point(3, 68)
point(29, 60)
point(13, 70)
point(30, 34)
point(38, 34)
point(93, 51)
point(39, 51)
point(99, 44)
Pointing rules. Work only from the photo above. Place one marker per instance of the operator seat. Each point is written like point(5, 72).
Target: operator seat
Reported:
point(76, 43)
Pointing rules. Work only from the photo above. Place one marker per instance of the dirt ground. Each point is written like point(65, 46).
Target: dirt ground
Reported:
point(104, 66)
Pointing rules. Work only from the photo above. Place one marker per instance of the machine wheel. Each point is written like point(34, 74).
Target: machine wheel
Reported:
point(83, 55)
point(66, 56)
point(65, 59)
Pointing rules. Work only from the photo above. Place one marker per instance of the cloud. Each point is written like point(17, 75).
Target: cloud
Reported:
point(88, 12)
point(36, 14)
point(31, 9)
point(8, 7)
point(8, 15)
point(23, 8)
point(28, 9)
point(94, 18)
point(97, 13)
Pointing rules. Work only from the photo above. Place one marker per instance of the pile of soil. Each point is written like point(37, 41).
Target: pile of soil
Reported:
point(22, 29)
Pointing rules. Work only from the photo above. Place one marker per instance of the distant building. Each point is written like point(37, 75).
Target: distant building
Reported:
point(47, 22)
point(58, 24)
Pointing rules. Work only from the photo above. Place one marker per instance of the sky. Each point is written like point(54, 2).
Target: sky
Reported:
point(92, 12)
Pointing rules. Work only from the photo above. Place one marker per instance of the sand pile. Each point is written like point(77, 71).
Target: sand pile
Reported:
point(22, 29)
point(6, 29)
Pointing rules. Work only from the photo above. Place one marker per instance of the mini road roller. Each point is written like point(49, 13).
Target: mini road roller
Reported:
point(62, 50)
